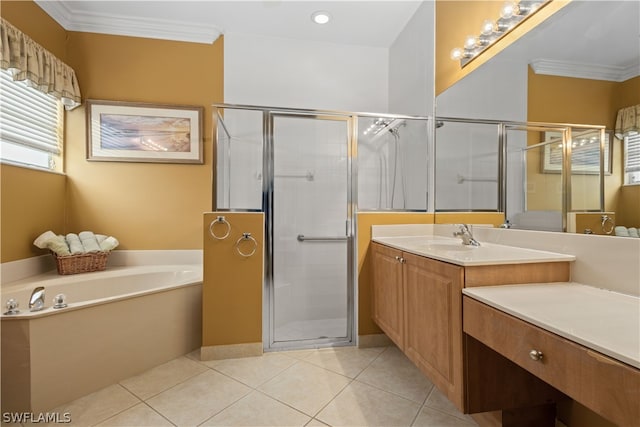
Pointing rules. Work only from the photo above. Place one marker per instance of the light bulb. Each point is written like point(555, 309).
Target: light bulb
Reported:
point(456, 54)
point(321, 17)
point(470, 42)
point(488, 27)
point(509, 9)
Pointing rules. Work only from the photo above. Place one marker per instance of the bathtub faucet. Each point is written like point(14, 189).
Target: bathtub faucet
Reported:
point(465, 234)
point(36, 302)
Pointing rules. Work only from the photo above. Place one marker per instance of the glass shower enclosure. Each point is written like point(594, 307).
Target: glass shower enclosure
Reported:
point(300, 167)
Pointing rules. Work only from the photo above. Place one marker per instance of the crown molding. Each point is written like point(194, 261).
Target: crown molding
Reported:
point(585, 71)
point(164, 29)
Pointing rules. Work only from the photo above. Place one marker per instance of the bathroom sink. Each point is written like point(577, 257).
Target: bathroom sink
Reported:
point(451, 247)
point(454, 251)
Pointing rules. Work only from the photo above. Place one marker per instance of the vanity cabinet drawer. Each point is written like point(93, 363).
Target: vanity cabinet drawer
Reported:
point(607, 386)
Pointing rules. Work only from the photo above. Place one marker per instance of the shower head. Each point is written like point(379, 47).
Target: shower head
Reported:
point(390, 125)
point(381, 126)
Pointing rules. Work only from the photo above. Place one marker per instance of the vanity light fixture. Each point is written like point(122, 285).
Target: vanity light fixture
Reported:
point(511, 15)
point(321, 17)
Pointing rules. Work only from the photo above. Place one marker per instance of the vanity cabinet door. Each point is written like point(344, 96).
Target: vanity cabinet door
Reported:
point(388, 310)
point(433, 330)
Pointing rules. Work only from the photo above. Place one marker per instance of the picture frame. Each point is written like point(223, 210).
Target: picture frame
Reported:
point(143, 132)
point(585, 153)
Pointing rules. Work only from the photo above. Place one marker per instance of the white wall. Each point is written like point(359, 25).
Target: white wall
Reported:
point(282, 72)
point(411, 92)
point(411, 65)
point(495, 91)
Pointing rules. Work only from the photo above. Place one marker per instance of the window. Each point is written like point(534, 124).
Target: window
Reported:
point(30, 125)
point(632, 158)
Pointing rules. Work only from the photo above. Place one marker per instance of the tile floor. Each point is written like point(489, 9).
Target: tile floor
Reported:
point(335, 387)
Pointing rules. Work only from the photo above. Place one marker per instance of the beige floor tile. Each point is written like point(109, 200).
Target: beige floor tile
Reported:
point(439, 401)
point(362, 405)
point(256, 409)
point(316, 423)
point(197, 399)
point(163, 377)
point(194, 355)
point(305, 387)
point(139, 416)
point(298, 354)
point(429, 417)
point(99, 406)
point(253, 371)
point(347, 361)
point(393, 372)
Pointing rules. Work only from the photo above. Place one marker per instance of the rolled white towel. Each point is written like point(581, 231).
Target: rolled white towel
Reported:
point(633, 232)
point(109, 244)
point(101, 238)
point(41, 240)
point(75, 245)
point(89, 242)
point(58, 245)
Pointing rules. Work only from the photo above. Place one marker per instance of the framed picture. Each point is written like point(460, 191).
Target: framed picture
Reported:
point(585, 152)
point(138, 132)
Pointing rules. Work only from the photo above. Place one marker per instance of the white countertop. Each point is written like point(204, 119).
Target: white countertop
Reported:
point(602, 320)
point(452, 250)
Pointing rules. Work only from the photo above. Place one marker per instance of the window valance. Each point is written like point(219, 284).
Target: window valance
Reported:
point(27, 60)
point(628, 121)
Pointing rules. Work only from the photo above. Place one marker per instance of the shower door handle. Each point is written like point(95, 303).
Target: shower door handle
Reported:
point(303, 238)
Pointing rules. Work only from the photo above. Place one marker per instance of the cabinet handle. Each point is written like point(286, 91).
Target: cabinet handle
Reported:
point(536, 355)
point(400, 259)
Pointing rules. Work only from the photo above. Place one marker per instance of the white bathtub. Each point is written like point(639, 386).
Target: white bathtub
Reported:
point(87, 289)
point(118, 323)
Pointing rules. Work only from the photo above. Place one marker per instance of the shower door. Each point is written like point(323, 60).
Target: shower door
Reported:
point(309, 210)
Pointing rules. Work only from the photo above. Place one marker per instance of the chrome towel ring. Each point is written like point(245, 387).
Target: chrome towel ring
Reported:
point(245, 237)
point(223, 221)
point(607, 219)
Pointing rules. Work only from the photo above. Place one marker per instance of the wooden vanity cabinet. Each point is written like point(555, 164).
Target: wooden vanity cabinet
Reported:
point(388, 309)
point(432, 321)
point(417, 303)
point(607, 386)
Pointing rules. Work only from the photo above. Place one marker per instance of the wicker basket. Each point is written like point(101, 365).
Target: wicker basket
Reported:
point(83, 263)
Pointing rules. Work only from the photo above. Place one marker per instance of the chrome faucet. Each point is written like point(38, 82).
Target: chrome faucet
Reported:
point(36, 302)
point(465, 234)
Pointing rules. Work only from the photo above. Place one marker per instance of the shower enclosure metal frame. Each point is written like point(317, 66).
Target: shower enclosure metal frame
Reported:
point(351, 118)
point(564, 128)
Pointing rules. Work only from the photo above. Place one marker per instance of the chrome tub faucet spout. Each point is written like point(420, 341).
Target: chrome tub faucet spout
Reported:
point(36, 302)
point(466, 235)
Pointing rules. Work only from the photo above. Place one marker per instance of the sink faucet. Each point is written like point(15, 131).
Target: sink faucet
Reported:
point(465, 234)
point(36, 302)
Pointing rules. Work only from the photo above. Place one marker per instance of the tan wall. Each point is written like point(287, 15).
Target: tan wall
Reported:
point(32, 201)
point(29, 18)
point(457, 19)
point(145, 205)
point(627, 94)
point(580, 101)
point(232, 286)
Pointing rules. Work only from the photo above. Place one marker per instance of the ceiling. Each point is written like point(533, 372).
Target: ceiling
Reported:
point(367, 23)
point(587, 39)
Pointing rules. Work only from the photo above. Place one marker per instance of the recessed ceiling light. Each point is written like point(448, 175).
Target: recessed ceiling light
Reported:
point(321, 17)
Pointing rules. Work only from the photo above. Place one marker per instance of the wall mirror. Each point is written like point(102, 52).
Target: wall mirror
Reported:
point(578, 67)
